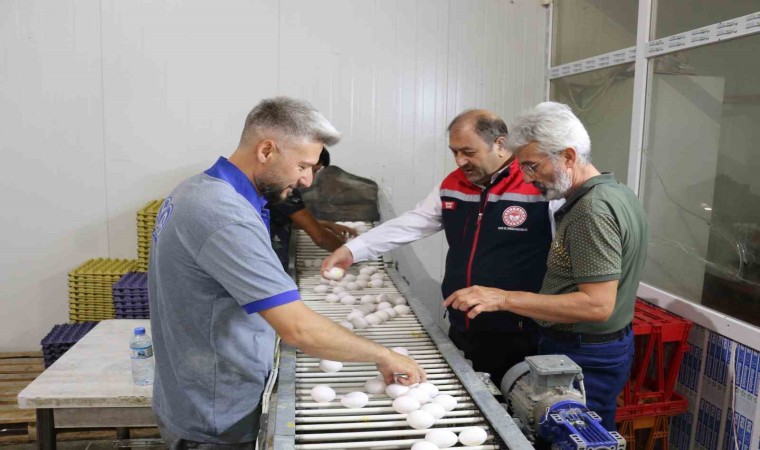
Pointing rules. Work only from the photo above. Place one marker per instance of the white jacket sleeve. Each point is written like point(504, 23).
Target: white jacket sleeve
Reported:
point(422, 221)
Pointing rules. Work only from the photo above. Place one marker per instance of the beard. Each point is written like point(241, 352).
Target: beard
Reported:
point(558, 188)
point(274, 193)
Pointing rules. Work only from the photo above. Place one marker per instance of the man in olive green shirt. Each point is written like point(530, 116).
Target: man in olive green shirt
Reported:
point(586, 303)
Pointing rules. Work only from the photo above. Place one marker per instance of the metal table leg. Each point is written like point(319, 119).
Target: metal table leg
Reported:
point(45, 429)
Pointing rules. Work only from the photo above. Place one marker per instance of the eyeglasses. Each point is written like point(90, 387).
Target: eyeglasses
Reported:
point(530, 169)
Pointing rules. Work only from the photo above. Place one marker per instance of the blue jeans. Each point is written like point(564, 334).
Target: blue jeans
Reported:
point(606, 368)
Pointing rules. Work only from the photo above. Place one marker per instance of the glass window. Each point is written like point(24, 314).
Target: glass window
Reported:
point(677, 16)
point(603, 100)
point(700, 183)
point(585, 28)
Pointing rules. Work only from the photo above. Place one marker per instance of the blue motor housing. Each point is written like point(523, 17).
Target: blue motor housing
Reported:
point(570, 425)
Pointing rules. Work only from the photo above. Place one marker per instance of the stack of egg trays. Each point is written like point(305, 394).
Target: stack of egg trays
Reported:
point(130, 296)
point(61, 338)
point(146, 218)
point(90, 294)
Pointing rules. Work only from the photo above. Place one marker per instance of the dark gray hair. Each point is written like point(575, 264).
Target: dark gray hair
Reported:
point(554, 127)
point(290, 118)
point(487, 125)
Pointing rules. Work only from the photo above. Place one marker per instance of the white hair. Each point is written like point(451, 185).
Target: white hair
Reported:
point(554, 127)
point(292, 119)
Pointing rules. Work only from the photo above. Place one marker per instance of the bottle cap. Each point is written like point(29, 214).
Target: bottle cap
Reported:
point(139, 331)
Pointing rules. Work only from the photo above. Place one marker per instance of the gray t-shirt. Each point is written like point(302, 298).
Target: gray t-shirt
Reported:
point(212, 269)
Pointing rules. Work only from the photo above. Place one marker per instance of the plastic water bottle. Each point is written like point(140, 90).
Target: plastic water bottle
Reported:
point(142, 358)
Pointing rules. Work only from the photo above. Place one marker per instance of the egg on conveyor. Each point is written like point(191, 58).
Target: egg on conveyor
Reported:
point(338, 289)
point(366, 270)
point(419, 420)
point(320, 288)
point(324, 280)
point(336, 273)
point(359, 323)
point(330, 366)
point(332, 298)
point(348, 299)
point(402, 309)
point(442, 438)
point(435, 409)
point(448, 402)
point(322, 393)
point(405, 404)
point(401, 351)
point(363, 277)
point(355, 400)
point(383, 314)
point(373, 319)
point(375, 386)
point(383, 298)
point(349, 277)
point(400, 300)
point(472, 436)
point(377, 276)
point(424, 445)
point(346, 324)
point(430, 388)
point(377, 283)
point(354, 286)
point(391, 312)
point(419, 394)
point(363, 283)
point(384, 305)
point(367, 299)
point(342, 294)
point(396, 390)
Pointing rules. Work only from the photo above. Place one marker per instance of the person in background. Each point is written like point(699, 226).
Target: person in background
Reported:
point(218, 293)
point(585, 306)
point(292, 213)
point(498, 228)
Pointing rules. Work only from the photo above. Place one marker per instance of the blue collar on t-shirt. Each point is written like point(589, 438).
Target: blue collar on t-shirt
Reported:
point(225, 170)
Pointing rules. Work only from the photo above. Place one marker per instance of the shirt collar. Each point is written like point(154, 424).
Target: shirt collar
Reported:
point(603, 178)
point(497, 174)
point(225, 170)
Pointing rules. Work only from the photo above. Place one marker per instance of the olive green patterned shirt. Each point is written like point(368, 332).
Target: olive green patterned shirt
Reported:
point(601, 236)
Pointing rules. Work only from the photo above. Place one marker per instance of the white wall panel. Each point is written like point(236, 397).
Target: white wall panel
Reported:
point(136, 96)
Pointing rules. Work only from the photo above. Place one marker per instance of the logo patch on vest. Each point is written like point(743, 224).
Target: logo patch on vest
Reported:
point(448, 204)
point(514, 216)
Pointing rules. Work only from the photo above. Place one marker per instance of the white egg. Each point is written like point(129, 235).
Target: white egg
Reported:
point(330, 366)
point(401, 351)
point(349, 277)
point(338, 289)
point(354, 314)
point(425, 445)
point(359, 323)
point(377, 283)
point(435, 409)
point(472, 436)
point(396, 390)
point(363, 283)
point(373, 319)
point(331, 298)
point(355, 400)
point(347, 325)
point(442, 438)
point(322, 393)
point(316, 262)
point(333, 283)
point(402, 309)
point(419, 420)
point(383, 298)
point(363, 277)
point(420, 394)
point(324, 280)
point(336, 273)
point(383, 314)
point(430, 388)
point(366, 309)
point(353, 286)
point(342, 294)
point(391, 312)
point(366, 270)
point(377, 276)
point(348, 300)
point(343, 283)
point(448, 402)
point(367, 299)
point(320, 289)
point(405, 405)
point(400, 300)
point(384, 305)
point(375, 386)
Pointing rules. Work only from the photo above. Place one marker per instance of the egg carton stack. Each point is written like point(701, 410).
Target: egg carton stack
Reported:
point(90, 294)
point(61, 338)
point(146, 219)
point(348, 405)
point(130, 296)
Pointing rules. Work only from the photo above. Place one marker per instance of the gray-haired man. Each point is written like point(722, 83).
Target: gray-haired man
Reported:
point(218, 292)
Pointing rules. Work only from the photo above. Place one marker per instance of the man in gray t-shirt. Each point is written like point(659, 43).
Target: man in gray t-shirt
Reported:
point(218, 292)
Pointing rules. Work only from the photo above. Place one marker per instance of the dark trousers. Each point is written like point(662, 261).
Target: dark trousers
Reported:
point(174, 442)
point(495, 352)
point(606, 368)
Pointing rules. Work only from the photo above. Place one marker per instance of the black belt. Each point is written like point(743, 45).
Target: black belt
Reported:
point(587, 338)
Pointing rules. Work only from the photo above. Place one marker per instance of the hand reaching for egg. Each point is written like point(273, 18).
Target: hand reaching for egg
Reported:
point(400, 369)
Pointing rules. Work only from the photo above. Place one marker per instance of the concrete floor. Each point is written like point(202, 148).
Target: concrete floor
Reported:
point(79, 445)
